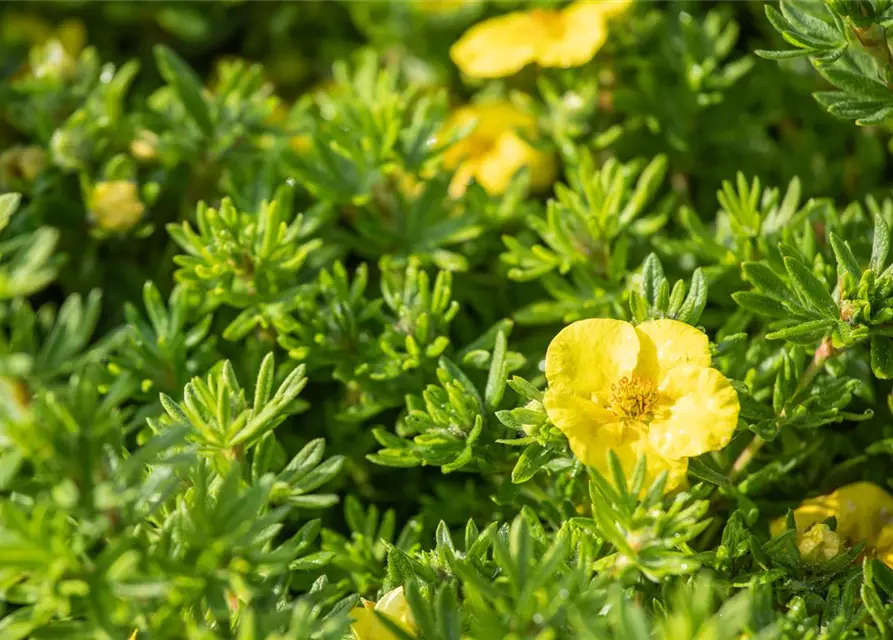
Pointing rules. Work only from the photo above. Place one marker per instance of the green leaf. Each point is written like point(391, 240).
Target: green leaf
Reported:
point(696, 300)
point(882, 357)
point(9, 202)
point(531, 460)
point(187, 86)
point(846, 261)
point(880, 246)
point(496, 378)
point(761, 304)
point(811, 288)
point(857, 85)
point(701, 471)
point(803, 333)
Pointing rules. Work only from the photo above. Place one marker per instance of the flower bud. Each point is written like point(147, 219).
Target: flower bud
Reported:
point(145, 145)
point(115, 205)
point(818, 544)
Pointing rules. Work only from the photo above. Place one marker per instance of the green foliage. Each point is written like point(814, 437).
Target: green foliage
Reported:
point(310, 368)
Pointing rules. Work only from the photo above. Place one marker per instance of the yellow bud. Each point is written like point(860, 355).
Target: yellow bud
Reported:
point(115, 205)
point(73, 36)
point(52, 61)
point(818, 544)
point(300, 144)
point(145, 145)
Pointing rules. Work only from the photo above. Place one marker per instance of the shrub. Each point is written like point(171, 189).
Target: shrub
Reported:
point(446, 319)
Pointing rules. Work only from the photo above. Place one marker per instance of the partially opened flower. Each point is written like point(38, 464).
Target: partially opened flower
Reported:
point(863, 511)
point(393, 605)
point(494, 151)
point(644, 391)
point(561, 38)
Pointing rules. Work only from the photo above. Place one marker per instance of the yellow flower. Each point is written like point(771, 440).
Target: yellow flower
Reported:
point(639, 391)
point(116, 205)
point(494, 152)
point(393, 605)
point(863, 511)
point(562, 38)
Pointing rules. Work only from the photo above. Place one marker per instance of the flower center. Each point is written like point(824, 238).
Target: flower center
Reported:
point(632, 397)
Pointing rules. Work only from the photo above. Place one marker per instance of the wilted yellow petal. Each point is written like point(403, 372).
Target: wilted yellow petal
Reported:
point(698, 413)
point(667, 344)
point(588, 356)
point(498, 47)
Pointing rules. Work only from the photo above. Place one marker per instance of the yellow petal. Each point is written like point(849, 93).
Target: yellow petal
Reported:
point(508, 156)
point(863, 511)
point(698, 413)
point(367, 626)
point(808, 513)
point(592, 432)
point(588, 356)
point(497, 47)
point(611, 8)
point(886, 557)
point(582, 34)
point(667, 344)
point(394, 605)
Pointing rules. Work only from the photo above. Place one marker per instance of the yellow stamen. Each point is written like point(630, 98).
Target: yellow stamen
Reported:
point(632, 397)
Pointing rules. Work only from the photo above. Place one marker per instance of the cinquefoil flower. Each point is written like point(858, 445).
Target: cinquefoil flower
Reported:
point(494, 151)
point(562, 38)
point(393, 604)
point(645, 391)
point(863, 511)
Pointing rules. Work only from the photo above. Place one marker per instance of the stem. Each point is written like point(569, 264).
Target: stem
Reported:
point(825, 352)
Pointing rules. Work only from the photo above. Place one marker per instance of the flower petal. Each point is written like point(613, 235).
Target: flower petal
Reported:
point(610, 8)
point(698, 413)
point(498, 47)
point(667, 344)
point(586, 357)
point(583, 34)
point(863, 511)
point(593, 431)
